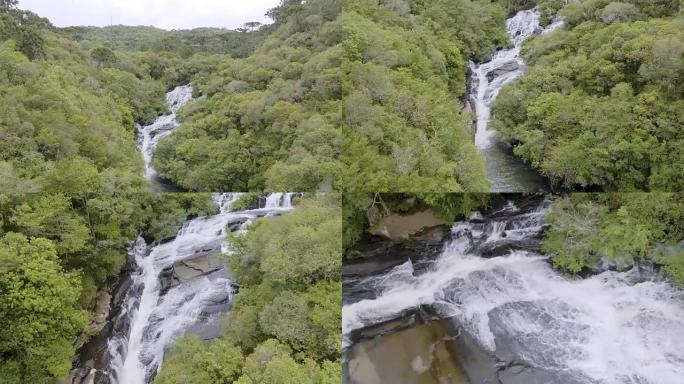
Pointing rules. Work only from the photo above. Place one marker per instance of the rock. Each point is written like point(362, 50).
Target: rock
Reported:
point(521, 374)
point(119, 292)
point(524, 353)
point(235, 224)
point(200, 264)
point(197, 265)
point(404, 320)
point(168, 279)
point(502, 70)
point(398, 227)
point(81, 376)
point(505, 246)
point(420, 354)
point(375, 254)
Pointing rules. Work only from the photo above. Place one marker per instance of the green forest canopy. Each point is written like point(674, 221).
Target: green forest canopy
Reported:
point(603, 102)
point(55, 251)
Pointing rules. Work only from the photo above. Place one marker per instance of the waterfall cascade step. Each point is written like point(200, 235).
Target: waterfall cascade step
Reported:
point(178, 286)
point(511, 308)
point(505, 171)
point(149, 136)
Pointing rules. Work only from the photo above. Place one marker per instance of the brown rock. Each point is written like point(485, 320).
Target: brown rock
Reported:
point(399, 227)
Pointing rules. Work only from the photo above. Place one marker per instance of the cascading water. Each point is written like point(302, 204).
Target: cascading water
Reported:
point(505, 171)
point(279, 199)
point(154, 312)
point(613, 327)
point(149, 136)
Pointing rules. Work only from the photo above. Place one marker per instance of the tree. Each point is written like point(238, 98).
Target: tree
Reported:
point(103, 56)
point(31, 43)
point(252, 26)
point(7, 5)
point(617, 12)
point(271, 363)
point(38, 308)
point(193, 361)
point(52, 216)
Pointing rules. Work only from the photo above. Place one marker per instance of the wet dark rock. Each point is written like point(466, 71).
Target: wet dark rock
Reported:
point(505, 246)
point(83, 375)
point(122, 288)
point(479, 364)
point(217, 304)
point(235, 224)
point(376, 254)
point(502, 70)
point(168, 279)
point(404, 320)
point(200, 264)
point(522, 374)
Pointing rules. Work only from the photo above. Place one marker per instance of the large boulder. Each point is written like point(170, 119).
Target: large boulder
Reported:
point(398, 227)
point(503, 69)
point(200, 264)
point(419, 354)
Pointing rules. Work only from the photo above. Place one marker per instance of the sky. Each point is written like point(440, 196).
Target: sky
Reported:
point(166, 14)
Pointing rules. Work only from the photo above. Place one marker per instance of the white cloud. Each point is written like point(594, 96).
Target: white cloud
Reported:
point(167, 14)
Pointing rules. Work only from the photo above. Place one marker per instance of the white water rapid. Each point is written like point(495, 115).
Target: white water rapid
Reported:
point(506, 173)
point(152, 314)
point(614, 327)
point(149, 136)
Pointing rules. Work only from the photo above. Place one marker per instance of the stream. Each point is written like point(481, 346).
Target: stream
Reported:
point(514, 319)
point(149, 136)
point(177, 287)
point(506, 172)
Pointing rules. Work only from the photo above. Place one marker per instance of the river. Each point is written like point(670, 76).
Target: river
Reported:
point(149, 136)
point(526, 322)
point(178, 286)
point(506, 172)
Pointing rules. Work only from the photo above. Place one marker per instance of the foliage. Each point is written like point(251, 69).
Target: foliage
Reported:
point(55, 251)
point(603, 101)
point(103, 55)
point(59, 109)
point(296, 249)
point(193, 362)
point(286, 318)
point(405, 67)
point(183, 43)
point(270, 120)
point(620, 228)
point(38, 308)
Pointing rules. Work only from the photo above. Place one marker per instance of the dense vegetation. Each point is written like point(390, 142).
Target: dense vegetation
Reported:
point(617, 230)
point(55, 250)
point(603, 103)
point(285, 323)
point(67, 113)
point(270, 120)
point(405, 69)
point(183, 43)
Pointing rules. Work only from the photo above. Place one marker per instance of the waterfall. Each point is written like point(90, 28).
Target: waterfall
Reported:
point(166, 298)
point(614, 327)
point(279, 200)
point(506, 173)
point(149, 136)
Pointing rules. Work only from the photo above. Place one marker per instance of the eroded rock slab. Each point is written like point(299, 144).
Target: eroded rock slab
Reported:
point(422, 354)
point(200, 264)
